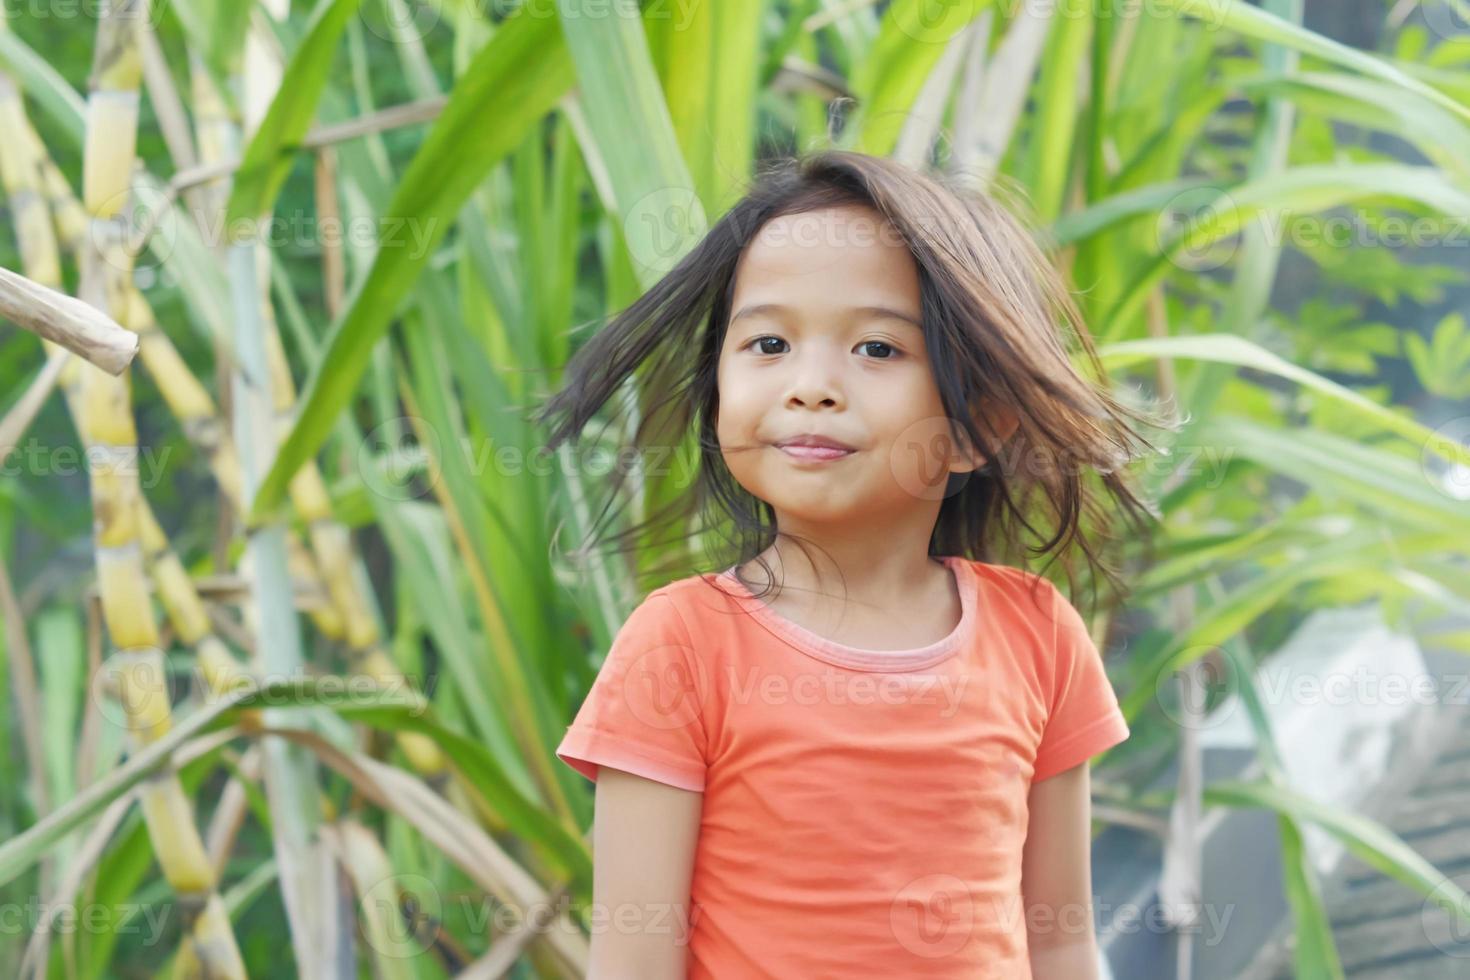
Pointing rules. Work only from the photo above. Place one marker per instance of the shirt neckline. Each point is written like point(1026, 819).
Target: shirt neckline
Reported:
point(840, 654)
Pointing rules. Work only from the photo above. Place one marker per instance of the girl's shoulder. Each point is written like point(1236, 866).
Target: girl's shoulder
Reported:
point(680, 605)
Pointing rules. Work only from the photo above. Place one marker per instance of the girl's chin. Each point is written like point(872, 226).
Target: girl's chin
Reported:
point(817, 507)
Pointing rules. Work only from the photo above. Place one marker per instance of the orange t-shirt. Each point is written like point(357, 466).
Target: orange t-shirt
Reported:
point(864, 811)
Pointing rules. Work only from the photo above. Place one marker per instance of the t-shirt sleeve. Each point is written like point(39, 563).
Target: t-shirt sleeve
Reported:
point(1084, 717)
point(643, 711)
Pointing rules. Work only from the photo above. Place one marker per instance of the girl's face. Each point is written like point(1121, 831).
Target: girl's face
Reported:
point(824, 339)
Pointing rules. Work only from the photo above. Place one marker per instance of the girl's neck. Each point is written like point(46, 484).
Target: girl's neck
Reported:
point(872, 575)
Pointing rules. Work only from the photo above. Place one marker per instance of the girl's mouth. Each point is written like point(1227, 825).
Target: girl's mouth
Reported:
point(815, 453)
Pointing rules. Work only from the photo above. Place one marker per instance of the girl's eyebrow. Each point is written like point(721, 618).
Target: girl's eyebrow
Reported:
point(873, 312)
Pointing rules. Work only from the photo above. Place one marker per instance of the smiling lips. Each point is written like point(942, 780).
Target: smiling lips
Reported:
point(814, 447)
point(815, 452)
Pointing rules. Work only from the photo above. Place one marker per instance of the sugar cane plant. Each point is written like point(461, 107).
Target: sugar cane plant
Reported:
point(392, 526)
point(105, 423)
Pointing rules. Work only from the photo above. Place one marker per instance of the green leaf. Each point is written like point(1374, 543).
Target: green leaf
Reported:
point(43, 83)
point(711, 81)
point(1229, 349)
point(20, 852)
point(267, 161)
point(526, 820)
point(1056, 132)
point(1387, 483)
point(1370, 841)
point(1211, 217)
point(1377, 105)
point(61, 649)
point(1315, 951)
point(1263, 26)
point(888, 79)
point(514, 81)
point(653, 192)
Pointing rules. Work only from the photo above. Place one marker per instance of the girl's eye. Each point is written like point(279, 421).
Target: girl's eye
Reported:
point(888, 351)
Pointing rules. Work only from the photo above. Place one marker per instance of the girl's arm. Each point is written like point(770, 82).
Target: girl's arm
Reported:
point(643, 837)
point(1056, 878)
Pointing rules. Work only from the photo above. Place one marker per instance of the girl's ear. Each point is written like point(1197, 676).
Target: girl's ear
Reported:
point(1003, 421)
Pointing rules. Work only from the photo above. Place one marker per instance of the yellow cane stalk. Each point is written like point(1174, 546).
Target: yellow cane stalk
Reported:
point(222, 672)
point(40, 195)
point(185, 397)
point(106, 424)
point(137, 670)
point(194, 408)
point(182, 392)
point(21, 178)
point(31, 181)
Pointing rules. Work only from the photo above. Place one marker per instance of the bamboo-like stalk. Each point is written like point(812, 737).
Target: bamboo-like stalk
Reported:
point(194, 408)
point(177, 591)
point(186, 397)
point(21, 168)
point(56, 318)
point(222, 672)
point(197, 414)
point(192, 405)
point(106, 423)
point(21, 177)
point(332, 547)
point(63, 320)
point(91, 398)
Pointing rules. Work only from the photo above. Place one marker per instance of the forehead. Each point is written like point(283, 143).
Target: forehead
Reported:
point(849, 253)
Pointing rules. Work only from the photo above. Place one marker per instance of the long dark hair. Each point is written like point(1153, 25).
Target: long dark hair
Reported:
point(998, 322)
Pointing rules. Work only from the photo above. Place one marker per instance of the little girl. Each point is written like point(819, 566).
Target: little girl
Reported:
point(854, 751)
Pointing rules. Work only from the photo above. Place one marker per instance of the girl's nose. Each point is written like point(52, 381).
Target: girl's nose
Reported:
point(815, 383)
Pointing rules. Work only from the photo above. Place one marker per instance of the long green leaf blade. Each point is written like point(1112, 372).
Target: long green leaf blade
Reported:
point(267, 160)
point(515, 80)
point(1263, 26)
